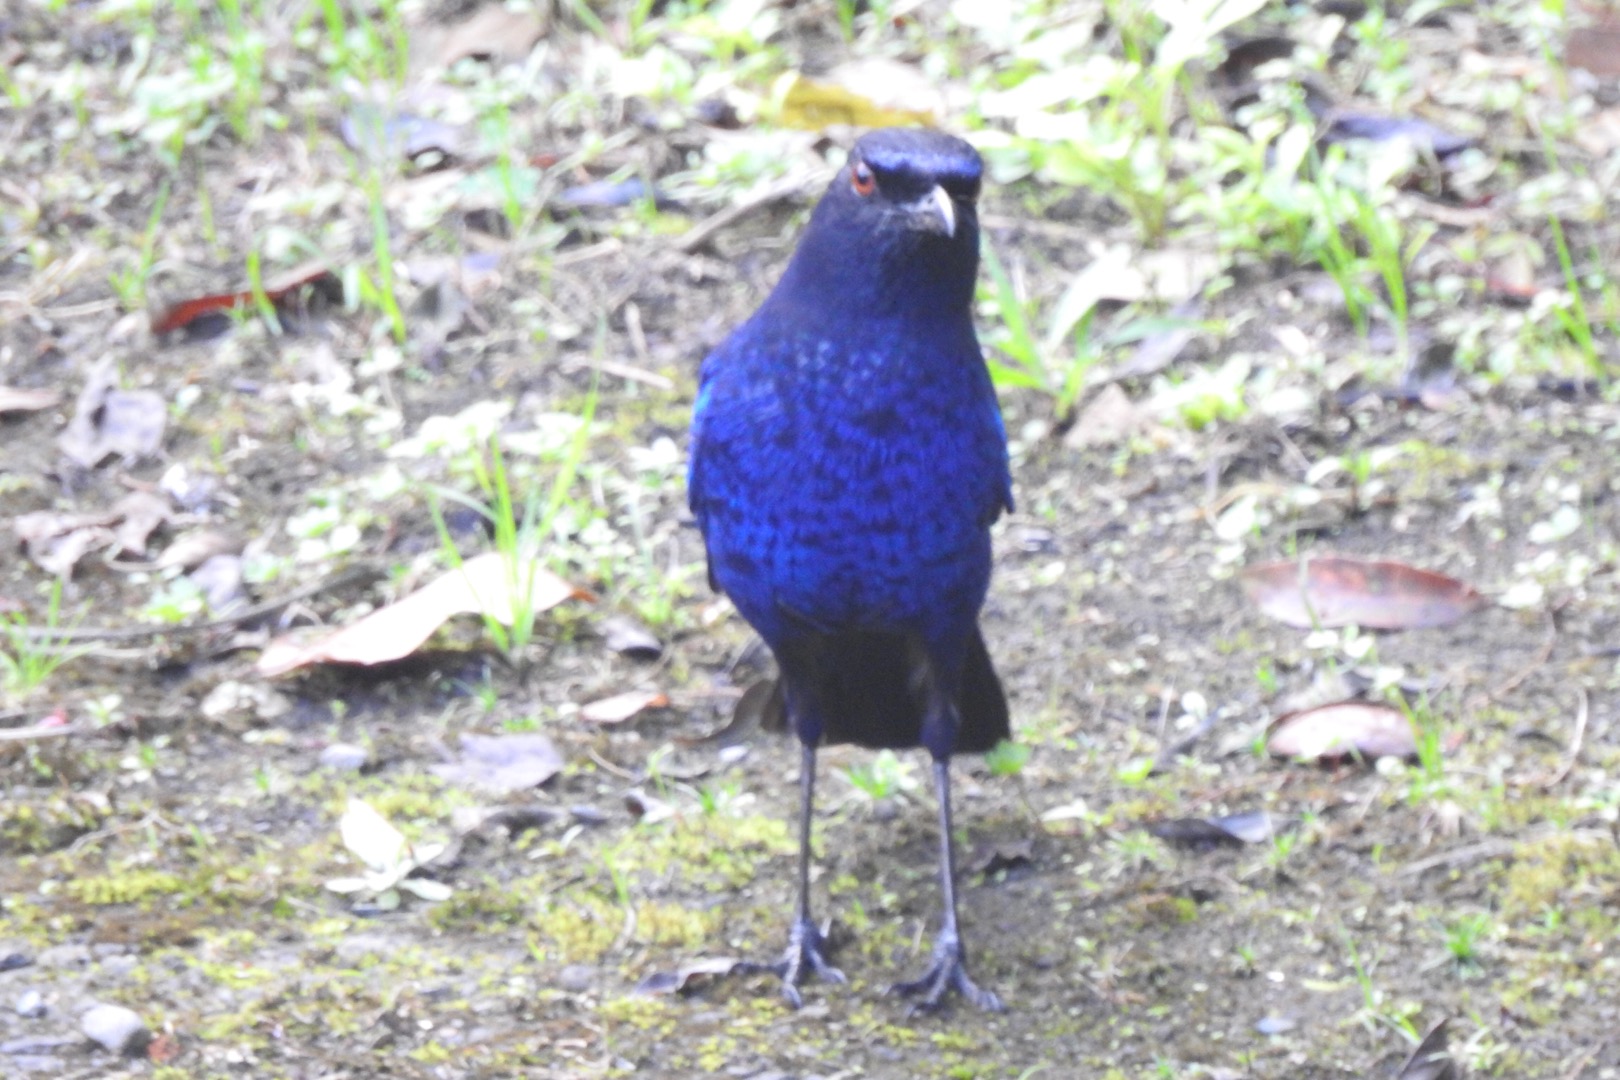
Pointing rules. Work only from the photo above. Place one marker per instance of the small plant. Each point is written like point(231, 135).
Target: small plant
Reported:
point(884, 777)
point(1464, 937)
point(518, 535)
point(1135, 851)
point(30, 655)
point(1008, 758)
point(389, 859)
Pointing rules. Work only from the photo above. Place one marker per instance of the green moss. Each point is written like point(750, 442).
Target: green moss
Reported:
point(1555, 872)
point(128, 887)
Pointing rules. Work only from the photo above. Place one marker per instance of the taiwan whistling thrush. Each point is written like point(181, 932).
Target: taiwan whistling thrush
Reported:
point(848, 460)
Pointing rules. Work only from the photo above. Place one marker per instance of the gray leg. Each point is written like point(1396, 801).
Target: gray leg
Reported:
point(948, 968)
point(807, 943)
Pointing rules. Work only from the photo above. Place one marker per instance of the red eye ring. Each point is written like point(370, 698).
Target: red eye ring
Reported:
point(862, 179)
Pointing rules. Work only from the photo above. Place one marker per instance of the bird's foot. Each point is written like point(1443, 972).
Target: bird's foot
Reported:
point(806, 955)
point(947, 972)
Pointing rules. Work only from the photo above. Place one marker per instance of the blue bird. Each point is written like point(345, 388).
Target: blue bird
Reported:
point(848, 460)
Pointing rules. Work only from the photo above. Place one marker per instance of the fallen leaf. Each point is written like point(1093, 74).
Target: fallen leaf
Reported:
point(384, 136)
point(370, 837)
point(484, 585)
point(142, 514)
point(1344, 125)
point(1595, 46)
point(621, 707)
point(192, 549)
point(108, 421)
point(56, 542)
point(682, 978)
point(994, 857)
point(1254, 827)
point(1334, 590)
point(284, 290)
point(503, 763)
point(1342, 730)
point(887, 99)
point(1432, 1059)
point(493, 32)
point(1110, 417)
point(13, 399)
point(629, 638)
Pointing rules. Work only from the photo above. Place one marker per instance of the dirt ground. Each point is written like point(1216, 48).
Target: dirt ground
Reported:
point(167, 847)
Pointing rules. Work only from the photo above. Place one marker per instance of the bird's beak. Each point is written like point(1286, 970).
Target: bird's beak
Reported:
point(936, 211)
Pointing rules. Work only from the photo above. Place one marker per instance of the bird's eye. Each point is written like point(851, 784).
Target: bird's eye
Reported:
point(862, 179)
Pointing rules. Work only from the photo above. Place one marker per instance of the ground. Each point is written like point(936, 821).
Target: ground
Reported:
point(1297, 344)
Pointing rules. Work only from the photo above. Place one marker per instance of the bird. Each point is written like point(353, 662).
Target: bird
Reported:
point(848, 459)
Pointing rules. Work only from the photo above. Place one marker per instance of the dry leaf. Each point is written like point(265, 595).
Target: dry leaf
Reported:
point(1254, 827)
point(142, 513)
point(1342, 730)
point(108, 421)
point(621, 707)
point(14, 400)
point(481, 586)
point(503, 763)
point(681, 979)
point(1432, 1059)
point(1110, 417)
point(1329, 591)
point(493, 32)
point(814, 104)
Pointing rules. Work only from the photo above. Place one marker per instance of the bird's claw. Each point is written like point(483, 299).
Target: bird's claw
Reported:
point(947, 972)
point(806, 954)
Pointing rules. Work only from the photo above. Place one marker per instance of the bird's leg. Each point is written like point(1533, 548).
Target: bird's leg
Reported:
point(807, 943)
point(948, 968)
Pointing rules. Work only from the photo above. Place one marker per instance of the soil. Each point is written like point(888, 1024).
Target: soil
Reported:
point(170, 851)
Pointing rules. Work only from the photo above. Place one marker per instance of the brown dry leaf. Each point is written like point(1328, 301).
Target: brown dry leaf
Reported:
point(1596, 45)
point(494, 32)
point(1254, 827)
point(1110, 417)
point(283, 290)
point(621, 707)
point(1334, 590)
point(108, 421)
point(480, 586)
point(13, 399)
point(1341, 730)
point(682, 978)
point(503, 763)
point(143, 513)
point(56, 542)
point(194, 548)
point(1432, 1059)
point(1598, 133)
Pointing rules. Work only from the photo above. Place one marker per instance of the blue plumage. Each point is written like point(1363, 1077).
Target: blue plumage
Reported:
point(848, 460)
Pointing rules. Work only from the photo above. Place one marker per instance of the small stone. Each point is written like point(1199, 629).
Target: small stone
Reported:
point(62, 956)
point(576, 978)
point(345, 757)
point(31, 1005)
point(118, 1029)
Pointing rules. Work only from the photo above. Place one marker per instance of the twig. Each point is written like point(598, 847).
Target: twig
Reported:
point(34, 732)
point(704, 231)
point(1570, 758)
point(1582, 1060)
point(1543, 654)
point(1488, 849)
point(57, 635)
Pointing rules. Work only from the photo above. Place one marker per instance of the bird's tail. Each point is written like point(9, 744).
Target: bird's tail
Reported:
point(867, 693)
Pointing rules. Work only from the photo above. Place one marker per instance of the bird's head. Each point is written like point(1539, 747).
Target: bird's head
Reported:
point(898, 225)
